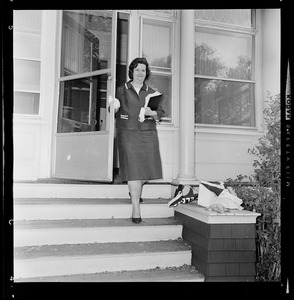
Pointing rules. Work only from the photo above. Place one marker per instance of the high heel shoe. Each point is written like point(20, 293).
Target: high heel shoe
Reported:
point(136, 220)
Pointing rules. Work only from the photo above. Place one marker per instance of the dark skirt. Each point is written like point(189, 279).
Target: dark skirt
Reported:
point(139, 156)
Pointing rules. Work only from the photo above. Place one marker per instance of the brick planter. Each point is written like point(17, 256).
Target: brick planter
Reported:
point(223, 245)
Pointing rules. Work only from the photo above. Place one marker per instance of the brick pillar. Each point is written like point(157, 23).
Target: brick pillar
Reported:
point(223, 245)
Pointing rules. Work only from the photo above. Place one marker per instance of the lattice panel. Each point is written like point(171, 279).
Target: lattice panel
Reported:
point(239, 17)
point(159, 12)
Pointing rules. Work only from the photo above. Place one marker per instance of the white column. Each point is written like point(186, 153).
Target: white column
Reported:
point(186, 122)
point(271, 41)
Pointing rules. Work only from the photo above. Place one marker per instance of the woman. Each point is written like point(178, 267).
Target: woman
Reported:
point(138, 145)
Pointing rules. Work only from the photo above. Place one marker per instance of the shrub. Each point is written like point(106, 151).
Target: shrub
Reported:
point(268, 235)
point(267, 166)
point(261, 193)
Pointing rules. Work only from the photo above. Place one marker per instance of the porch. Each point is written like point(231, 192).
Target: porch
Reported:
point(83, 232)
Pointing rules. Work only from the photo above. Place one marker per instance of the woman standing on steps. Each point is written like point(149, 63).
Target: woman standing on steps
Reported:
point(137, 138)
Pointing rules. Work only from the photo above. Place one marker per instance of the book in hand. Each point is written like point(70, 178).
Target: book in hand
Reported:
point(153, 100)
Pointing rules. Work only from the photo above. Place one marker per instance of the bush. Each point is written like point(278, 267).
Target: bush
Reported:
point(268, 163)
point(268, 235)
point(261, 193)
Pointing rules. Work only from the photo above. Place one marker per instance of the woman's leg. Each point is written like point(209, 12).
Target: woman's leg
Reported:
point(135, 189)
point(142, 182)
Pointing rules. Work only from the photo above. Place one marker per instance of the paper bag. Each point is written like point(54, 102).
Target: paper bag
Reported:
point(211, 194)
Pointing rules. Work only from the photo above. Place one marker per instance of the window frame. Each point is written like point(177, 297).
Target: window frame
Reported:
point(252, 31)
point(162, 18)
point(84, 76)
point(29, 33)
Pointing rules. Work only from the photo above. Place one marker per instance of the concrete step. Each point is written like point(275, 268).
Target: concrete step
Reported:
point(185, 273)
point(86, 190)
point(34, 233)
point(64, 208)
point(58, 260)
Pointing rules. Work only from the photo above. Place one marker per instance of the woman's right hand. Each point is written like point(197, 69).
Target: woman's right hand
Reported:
point(116, 103)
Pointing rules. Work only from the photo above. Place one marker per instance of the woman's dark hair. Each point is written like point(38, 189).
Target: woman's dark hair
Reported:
point(134, 64)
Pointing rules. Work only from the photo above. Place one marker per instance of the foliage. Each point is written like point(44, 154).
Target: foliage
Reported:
point(261, 193)
point(268, 165)
point(265, 201)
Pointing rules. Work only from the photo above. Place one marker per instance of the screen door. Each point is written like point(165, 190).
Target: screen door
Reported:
point(85, 127)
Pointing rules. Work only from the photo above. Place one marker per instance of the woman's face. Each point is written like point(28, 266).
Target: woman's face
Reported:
point(139, 74)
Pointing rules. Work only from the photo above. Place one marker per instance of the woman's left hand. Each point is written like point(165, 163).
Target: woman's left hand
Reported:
point(149, 112)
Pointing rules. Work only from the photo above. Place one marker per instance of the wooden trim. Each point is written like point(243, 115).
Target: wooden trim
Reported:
point(210, 217)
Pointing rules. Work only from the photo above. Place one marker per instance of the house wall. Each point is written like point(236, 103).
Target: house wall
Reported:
point(223, 154)
point(32, 134)
point(220, 152)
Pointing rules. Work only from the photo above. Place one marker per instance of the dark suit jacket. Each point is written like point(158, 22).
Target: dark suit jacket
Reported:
point(130, 105)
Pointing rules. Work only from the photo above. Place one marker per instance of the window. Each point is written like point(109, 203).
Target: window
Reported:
point(157, 47)
point(85, 64)
point(27, 62)
point(122, 48)
point(224, 67)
